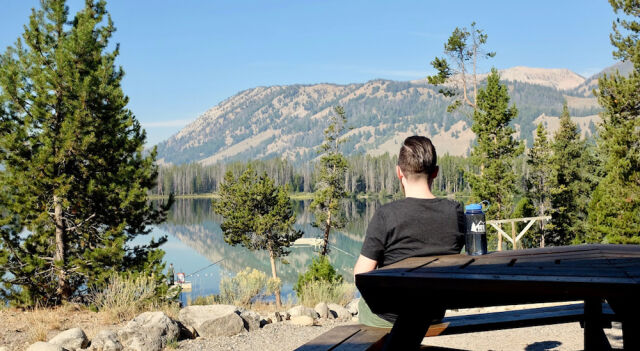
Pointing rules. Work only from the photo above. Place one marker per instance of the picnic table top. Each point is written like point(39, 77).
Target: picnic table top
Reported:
point(510, 277)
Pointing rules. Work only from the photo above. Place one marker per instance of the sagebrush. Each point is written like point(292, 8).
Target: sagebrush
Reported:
point(318, 291)
point(246, 287)
point(126, 296)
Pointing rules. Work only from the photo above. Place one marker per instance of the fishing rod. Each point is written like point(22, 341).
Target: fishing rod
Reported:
point(202, 269)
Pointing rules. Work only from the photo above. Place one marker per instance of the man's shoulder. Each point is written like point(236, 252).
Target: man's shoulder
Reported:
point(437, 202)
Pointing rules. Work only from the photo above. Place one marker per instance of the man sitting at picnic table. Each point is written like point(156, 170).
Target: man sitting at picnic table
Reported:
point(416, 226)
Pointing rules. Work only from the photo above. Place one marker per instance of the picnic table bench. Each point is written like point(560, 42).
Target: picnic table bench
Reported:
point(416, 288)
point(358, 337)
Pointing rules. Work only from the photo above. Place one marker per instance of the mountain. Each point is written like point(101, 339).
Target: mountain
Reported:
point(586, 88)
point(288, 121)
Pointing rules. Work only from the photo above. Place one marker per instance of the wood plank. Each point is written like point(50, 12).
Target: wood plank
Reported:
point(515, 319)
point(368, 338)
point(331, 338)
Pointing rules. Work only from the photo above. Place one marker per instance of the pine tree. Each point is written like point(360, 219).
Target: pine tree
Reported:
point(464, 47)
point(614, 211)
point(569, 164)
point(495, 150)
point(74, 173)
point(257, 215)
point(539, 157)
point(330, 189)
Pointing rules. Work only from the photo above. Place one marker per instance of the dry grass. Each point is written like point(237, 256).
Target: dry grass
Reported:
point(126, 297)
point(318, 291)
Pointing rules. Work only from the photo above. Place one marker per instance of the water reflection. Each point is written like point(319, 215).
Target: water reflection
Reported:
point(196, 241)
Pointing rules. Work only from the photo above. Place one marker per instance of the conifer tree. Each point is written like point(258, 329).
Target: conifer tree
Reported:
point(464, 47)
point(539, 177)
point(257, 215)
point(74, 173)
point(330, 189)
point(495, 150)
point(569, 164)
point(614, 211)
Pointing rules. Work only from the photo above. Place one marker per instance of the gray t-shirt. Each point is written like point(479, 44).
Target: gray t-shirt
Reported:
point(414, 227)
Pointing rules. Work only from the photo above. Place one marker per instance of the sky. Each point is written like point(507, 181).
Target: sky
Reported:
point(183, 57)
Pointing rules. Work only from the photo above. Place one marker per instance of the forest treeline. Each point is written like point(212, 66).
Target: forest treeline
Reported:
point(366, 175)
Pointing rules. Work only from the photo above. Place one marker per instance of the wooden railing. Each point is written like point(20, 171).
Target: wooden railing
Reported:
point(513, 239)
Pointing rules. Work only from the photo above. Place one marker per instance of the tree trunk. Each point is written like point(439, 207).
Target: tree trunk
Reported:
point(272, 258)
point(327, 229)
point(64, 290)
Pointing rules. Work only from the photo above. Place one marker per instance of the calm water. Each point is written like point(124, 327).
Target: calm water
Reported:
point(196, 241)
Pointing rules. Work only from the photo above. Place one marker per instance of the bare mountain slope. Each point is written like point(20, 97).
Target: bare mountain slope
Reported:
point(288, 121)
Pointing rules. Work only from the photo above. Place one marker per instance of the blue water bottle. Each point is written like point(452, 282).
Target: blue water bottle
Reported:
point(476, 236)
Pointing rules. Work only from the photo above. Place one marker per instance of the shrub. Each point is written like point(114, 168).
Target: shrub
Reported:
point(204, 300)
point(317, 291)
point(247, 286)
point(319, 270)
point(126, 296)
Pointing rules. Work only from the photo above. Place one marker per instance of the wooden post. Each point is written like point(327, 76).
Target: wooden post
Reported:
point(513, 235)
point(499, 241)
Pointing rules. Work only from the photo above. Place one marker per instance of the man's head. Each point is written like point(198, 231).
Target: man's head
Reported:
point(417, 159)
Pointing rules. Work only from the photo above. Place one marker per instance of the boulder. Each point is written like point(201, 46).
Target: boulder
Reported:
point(339, 312)
point(71, 339)
point(353, 306)
point(105, 340)
point(275, 317)
point(322, 309)
point(302, 311)
point(302, 320)
point(212, 320)
point(251, 320)
point(149, 331)
point(2, 348)
point(45, 346)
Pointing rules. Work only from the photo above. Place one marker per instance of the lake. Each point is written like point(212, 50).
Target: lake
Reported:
point(195, 242)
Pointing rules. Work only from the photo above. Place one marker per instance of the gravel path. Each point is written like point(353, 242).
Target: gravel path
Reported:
point(272, 337)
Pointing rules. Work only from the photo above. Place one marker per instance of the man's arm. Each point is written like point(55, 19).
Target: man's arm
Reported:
point(364, 265)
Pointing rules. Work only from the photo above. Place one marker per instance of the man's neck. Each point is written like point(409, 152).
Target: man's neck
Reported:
point(418, 189)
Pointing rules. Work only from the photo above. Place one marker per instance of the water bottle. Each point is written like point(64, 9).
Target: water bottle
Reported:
point(476, 236)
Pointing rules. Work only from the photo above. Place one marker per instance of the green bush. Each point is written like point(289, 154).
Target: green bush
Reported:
point(247, 286)
point(319, 270)
point(317, 291)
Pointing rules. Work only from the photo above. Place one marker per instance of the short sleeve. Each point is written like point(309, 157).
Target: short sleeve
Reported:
point(373, 245)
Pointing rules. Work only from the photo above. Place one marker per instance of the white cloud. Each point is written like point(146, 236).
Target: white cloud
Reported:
point(167, 124)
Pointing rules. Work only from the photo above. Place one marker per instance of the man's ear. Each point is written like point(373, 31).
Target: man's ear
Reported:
point(399, 173)
point(434, 174)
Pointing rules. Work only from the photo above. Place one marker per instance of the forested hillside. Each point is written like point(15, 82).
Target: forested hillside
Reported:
point(287, 121)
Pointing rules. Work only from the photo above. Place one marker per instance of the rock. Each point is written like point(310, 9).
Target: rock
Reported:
point(251, 320)
point(322, 310)
point(2, 348)
point(45, 346)
point(353, 306)
point(212, 320)
point(71, 339)
point(339, 312)
point(275, 317)
point(105, 340)
point(149, 331)
point(302, 320)
point(302, 311)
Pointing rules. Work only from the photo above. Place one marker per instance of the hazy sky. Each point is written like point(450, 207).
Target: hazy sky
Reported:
point(183, 57)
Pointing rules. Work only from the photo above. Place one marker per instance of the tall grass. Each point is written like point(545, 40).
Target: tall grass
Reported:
point(126, 297)
point(246, 287)
point(317, 291)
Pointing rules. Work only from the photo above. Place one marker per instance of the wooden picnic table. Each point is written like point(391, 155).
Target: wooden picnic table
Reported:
point(416, 288)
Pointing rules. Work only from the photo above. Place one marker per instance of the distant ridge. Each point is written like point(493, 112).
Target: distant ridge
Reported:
point(288, 120)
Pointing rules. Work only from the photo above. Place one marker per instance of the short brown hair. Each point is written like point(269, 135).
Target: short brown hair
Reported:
point(417, 156)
